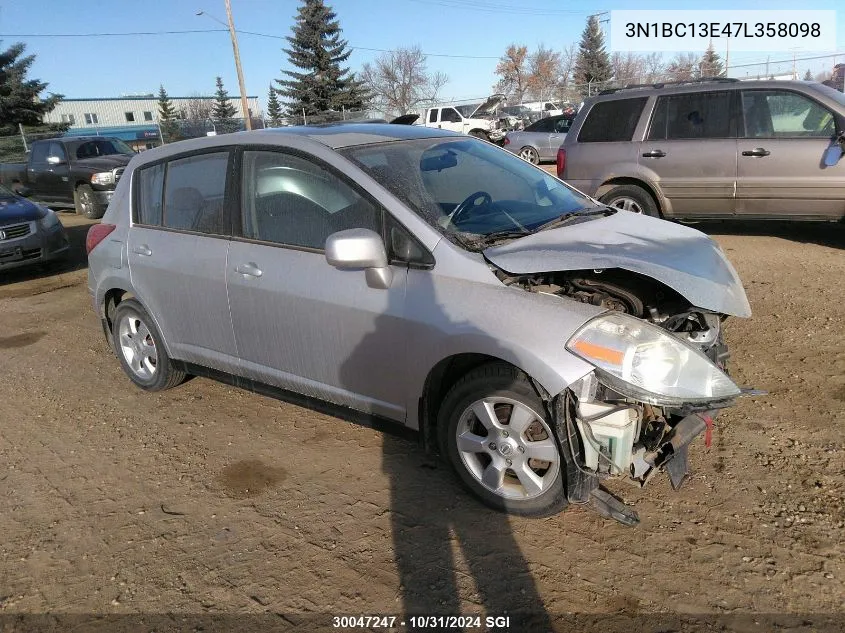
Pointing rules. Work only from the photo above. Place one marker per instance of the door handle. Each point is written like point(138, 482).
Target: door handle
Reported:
point(655, 153)
point(249, 270)
point(757, 151)
point(142, 249)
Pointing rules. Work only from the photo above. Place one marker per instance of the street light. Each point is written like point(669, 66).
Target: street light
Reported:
point(234, 36)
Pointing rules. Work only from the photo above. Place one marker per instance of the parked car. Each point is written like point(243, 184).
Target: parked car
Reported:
point(482, 122)
point(80, 172)
point(30, 233)
point(712, 149)
point(548, 108)
point(541, 341)
point(540, 140)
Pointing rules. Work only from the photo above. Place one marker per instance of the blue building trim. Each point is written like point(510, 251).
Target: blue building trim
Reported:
point(123, 132)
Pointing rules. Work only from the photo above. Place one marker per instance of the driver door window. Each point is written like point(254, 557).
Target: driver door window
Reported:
point(292, 201)
point(784, 114)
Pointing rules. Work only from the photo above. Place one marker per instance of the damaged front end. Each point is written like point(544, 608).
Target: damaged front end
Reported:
point(651, 394)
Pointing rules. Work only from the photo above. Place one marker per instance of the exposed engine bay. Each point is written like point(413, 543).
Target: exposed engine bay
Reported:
point(604, 433)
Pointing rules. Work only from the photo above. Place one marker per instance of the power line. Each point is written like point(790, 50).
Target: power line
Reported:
point(239, 31)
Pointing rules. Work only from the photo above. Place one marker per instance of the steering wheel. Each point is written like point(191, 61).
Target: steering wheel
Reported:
point(471, 203)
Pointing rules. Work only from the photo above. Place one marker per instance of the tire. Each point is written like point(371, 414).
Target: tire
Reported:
point(480, 134)
point(83, 200)
point(135, 336)
point(530, 154)
point(485, 447)
point(631, 198)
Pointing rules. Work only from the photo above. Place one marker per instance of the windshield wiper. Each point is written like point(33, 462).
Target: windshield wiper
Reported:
point(496, 236)
point(571, 215)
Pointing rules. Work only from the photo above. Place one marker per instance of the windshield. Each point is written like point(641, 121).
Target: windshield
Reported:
point(102, 147)
point(832, 93)
point(467, 186)
point(5, 192)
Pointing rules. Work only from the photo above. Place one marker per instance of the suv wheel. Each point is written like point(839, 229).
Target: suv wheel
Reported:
point(631, 198)
point(530, 154)
point(496, 434)
point(140, 349)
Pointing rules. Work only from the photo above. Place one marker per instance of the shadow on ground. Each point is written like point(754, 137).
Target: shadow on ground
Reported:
point(822, 233)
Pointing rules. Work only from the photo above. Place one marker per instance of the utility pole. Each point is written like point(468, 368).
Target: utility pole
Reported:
point(233, 34)
point(727, 57)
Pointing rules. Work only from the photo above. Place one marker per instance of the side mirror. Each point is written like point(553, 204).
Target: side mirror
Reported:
point(833, 153)
point(360, 249)
point(55, 160)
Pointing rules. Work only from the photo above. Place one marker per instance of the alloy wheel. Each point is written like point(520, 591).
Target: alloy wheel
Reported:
point(137, 346)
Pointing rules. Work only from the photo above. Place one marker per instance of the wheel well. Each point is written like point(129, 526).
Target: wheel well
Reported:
point(607, 186)
point(78, 183)
point(439, 381)
point(478, 129)
point(112, 300)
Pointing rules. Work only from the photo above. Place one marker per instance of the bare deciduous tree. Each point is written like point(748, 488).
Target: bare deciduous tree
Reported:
point(683, 67)
point(513, 73)
point(544, 66)
point(653, 67)
point(400, 81)
point(627, 68)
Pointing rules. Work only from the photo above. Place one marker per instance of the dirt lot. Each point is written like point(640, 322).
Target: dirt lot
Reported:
point(209, 500)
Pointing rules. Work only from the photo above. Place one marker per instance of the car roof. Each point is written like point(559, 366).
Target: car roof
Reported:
point(647, 90)
point(339, 135)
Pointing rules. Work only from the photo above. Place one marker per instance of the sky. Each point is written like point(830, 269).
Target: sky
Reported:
point(463, 38)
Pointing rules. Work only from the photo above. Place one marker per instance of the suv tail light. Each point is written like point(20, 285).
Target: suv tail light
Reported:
point(97, 234)
point(507, 141)
point(561, 162)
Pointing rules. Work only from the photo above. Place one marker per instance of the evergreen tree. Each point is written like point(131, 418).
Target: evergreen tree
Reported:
point(223, 111)
point(711, 63)
point(274, 108)
point(167, 117)
point(808, 76)
point(20, 98)
point(317, 50)
point(592, 65)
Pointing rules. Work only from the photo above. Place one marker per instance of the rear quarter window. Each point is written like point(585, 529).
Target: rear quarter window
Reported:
point(612, 121)
point(150, 188)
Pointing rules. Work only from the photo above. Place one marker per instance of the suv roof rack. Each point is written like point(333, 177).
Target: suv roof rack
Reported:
point(663, 84)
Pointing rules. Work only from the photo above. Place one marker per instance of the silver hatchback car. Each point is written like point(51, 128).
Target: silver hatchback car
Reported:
point(540, 341)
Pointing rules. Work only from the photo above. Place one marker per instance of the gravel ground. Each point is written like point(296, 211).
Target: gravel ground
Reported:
point(211, 500)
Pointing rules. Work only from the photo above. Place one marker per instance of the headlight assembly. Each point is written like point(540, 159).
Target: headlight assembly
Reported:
point(49, 220)
point(643, 361)
point(103, 178)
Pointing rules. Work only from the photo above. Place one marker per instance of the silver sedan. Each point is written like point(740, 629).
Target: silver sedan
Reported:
point(540, 140)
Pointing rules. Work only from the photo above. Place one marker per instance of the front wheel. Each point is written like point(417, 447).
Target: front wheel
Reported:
point(141, 350)
point(480, 134)
point(85, 203)
point(496, 434)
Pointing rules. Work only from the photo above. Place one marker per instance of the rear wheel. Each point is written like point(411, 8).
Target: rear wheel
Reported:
point(85, 202)
point(530, 154)
point(631, 198)
point(140, 349)
point(494, 429)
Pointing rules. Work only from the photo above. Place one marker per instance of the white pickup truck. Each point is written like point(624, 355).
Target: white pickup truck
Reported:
point(482, 122)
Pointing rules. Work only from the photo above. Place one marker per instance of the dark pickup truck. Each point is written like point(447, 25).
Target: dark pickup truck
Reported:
point(79, 172)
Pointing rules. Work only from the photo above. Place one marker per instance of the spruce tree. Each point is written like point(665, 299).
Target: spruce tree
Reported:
point(223, 111)
point(808, 76)
point(274, 108)
point(167, 117)
point(317, 50)
point(711, 63)
point(20, 98)
point(592, 65)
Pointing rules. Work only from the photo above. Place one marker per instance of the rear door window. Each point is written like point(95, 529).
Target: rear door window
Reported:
point(543, 125)
point(611, 121)
point(150, 189)
point(39, 153)
point(432, 115)
point(194, 193)
point(692, 116)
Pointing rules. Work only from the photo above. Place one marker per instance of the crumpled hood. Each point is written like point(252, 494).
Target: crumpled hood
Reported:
point(684, 259)
point(488, 107)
